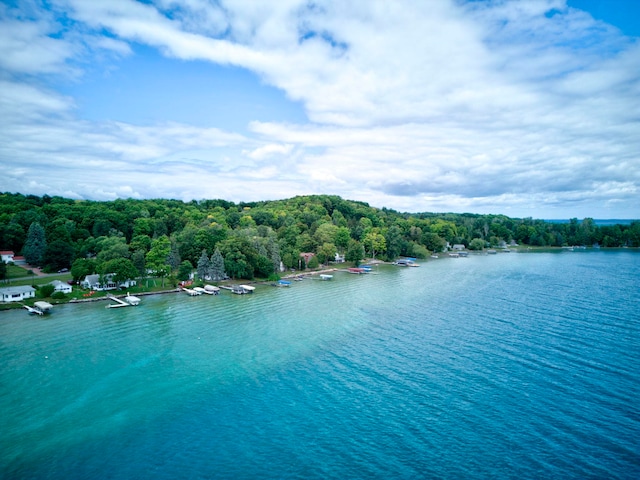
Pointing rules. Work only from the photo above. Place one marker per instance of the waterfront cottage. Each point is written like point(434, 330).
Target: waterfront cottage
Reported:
point(307, 256)
point(92, 282)
point(16, 294)
point(61, 286)
point(6, 256)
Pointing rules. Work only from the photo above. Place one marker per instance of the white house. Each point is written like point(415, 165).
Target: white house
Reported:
point(15, 294)
point(6, 256)
point(92, 282)
point(61, 286)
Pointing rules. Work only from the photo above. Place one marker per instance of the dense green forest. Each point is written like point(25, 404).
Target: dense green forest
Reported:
point(170, 238)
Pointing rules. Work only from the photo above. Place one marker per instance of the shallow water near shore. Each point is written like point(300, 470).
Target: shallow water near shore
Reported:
point(511, 365)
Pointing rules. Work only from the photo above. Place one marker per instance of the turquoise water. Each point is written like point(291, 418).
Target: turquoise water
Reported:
point(499, 366)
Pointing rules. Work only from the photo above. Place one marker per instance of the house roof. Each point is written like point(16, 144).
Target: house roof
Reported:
point(56, 283)
point(6, 252)
point(18, 289)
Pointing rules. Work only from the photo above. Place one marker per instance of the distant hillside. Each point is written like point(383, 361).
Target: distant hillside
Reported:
point(254, 237)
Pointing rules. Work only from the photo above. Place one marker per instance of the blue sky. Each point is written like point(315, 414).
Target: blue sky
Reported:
point(523, 107)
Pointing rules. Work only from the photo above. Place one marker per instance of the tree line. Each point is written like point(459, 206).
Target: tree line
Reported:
point(219, 238)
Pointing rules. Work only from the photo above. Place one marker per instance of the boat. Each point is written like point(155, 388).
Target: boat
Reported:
point(282, 283)
point(191, 292)
point(325, 276)
point(247, 288)
point(211, 290)
point(406, 262)
point(132, 300)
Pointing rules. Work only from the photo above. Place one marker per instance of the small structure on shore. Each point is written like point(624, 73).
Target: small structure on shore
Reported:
point(16, 294)
point(406, 262)
point(192, 291)
point(129, 301)
point(239, 289)
point(39, 308)
point(356, 270)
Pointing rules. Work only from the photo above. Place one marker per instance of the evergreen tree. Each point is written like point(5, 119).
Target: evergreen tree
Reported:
point(203, 265)
point(138, 259)
point(273, 247)
point(3, 270)
point(216, 266)
point(174, 256)
point(35, 245)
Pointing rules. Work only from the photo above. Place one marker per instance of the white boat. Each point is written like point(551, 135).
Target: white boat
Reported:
point(191, 291)
point(211, 289)
point(325, 276)
point(132, 300)
point(248, 288)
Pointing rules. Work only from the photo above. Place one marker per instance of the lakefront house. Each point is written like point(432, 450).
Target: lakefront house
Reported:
point(6, 256)
point(92, 282)
point(15, 294)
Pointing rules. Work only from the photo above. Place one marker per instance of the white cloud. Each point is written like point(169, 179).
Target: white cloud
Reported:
point(269, 150)
point(413, 105)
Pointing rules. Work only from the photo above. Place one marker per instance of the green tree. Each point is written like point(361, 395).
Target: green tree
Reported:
point(433, 241)
point(3, 271)
point(341, 238)
point(326, 253)
point(216, 266)
point(59, 254)
point(313, 262)
point(395, 240)
point(138, 260)
point(264, 267)
point(476, 244)
point(111, 248)
point(355, 252)
point(156, 258)
point(174, 257)
point(82, 267)
point(374, 242)
point(325, 233)
point(203, 265)
point(36, 245)
point(46, 291)
point(184, 270)
point(123, 268)
point(240, 257)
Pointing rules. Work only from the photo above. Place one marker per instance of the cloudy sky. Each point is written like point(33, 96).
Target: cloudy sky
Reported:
point(523, 107)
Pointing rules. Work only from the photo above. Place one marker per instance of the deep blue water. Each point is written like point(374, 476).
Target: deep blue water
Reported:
point(500, 366)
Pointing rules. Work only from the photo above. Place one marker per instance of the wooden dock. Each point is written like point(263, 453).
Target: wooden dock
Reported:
point(131, 301)
point(239, 289)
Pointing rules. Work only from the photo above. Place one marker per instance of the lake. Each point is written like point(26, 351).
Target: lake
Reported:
point(519, 365)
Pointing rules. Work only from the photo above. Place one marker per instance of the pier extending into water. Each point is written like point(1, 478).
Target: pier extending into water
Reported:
point(129, 301)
